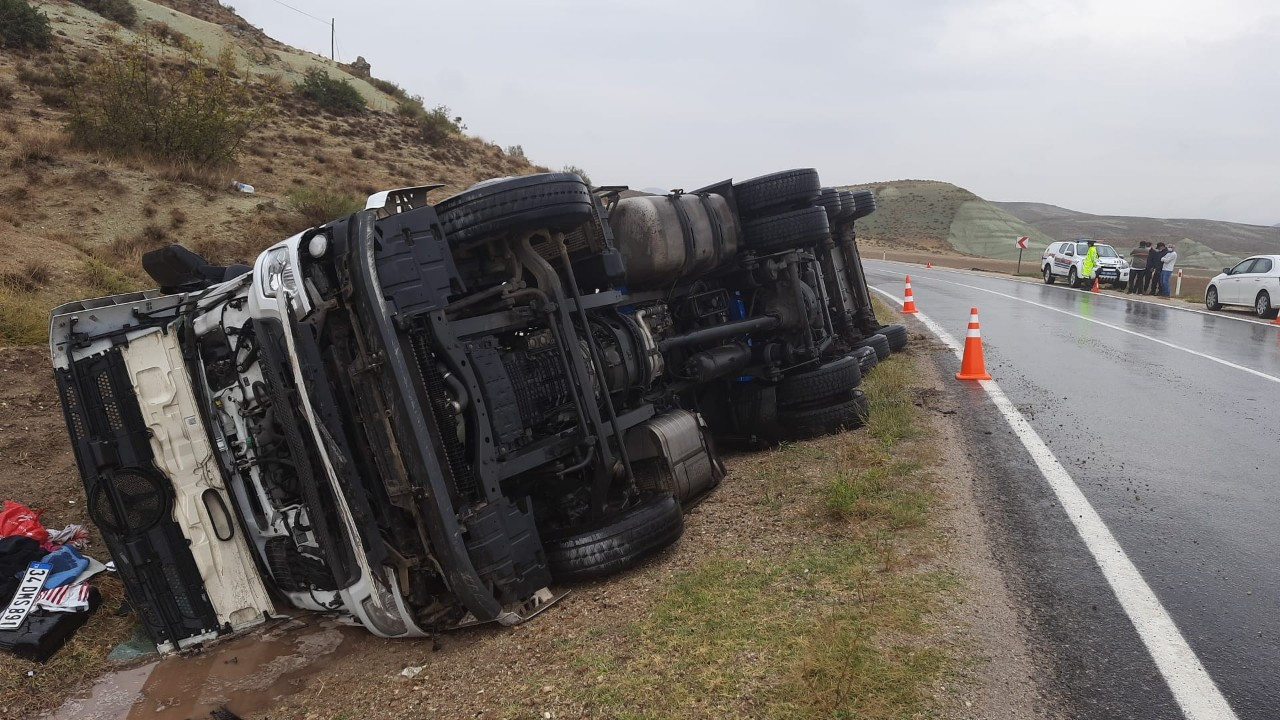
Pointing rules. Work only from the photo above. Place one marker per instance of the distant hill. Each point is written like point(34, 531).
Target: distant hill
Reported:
point(1201, 243)
point(933, 216)
point(928, 216)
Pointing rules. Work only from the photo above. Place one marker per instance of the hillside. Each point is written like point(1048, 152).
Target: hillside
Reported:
point(73, 222)
point(932, 216)
point(1201, 243)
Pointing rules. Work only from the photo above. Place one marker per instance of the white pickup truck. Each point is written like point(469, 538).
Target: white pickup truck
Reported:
point(1066, 259)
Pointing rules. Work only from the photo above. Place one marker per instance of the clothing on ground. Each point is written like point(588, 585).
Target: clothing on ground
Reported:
point(16, 552)
point(67, 565)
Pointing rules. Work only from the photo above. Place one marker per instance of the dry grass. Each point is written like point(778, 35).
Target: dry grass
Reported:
point(828, 616)
point(38, 147)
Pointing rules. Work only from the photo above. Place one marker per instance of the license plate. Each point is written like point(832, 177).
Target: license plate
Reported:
point(1109, 273)
point(25, 598)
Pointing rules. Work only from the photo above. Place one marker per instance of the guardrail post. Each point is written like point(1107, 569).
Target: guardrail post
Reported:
point(1178, 288)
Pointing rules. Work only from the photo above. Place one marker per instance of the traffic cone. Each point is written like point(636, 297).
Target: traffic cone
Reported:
point(972, 365)
point(909, 301)
point(1276, 321)
point(929, 264)
point(1095, 287)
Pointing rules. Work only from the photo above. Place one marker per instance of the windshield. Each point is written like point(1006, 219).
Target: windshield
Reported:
point(1104, 251)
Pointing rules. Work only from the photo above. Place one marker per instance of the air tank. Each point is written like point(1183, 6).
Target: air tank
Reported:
point(666, 237)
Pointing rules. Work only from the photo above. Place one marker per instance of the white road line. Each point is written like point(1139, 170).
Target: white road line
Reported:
point(1166, 343)
point(1192, 688)
point(1126, 298)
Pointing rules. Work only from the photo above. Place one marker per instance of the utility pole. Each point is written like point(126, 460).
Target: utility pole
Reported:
point(332, 35)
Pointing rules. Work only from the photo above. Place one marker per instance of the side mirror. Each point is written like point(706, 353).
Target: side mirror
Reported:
point(1226, 271)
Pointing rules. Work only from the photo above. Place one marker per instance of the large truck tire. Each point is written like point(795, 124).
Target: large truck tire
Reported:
point(618, 542)
point(555, 201)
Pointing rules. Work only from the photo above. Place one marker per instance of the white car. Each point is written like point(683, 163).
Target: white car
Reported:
point(1065, 259)
point(1253, 281)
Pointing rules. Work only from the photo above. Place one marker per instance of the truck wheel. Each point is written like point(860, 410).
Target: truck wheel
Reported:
point(803, 423)
point(829, 200)
point(798, 228)
point(864, 203)
point(618, 542)
point(556, 201)
point(831, 380)
point(866, 357)
point(1048, 275)
point(897, 335)
point(780, 190)
point(848, 205)
point(877, 342)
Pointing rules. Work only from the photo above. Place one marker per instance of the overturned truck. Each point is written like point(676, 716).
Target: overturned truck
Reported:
point(421, 416)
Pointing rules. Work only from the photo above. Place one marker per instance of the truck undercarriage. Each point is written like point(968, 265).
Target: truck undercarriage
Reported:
point(427, 415)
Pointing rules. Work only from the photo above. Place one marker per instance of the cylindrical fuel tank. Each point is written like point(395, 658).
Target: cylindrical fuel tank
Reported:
point(667, 237)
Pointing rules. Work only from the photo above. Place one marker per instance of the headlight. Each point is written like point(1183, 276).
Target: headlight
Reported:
point(278, 274)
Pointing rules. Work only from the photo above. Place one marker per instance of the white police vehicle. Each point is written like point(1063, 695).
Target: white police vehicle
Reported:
point(1066, 259)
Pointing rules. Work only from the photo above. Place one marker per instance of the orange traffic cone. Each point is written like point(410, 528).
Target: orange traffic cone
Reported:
point(1276, 321)
point(1095, 287)
point(972, 365)
point(929, 264)
point(909, 301)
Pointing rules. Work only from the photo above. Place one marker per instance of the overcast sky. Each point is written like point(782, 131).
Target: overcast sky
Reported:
point(1164, 108)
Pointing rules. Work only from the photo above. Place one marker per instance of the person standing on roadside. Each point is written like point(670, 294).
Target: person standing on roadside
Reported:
point(1090, 264)
point(1169, 259)
point(1138, 268)
point(1153, 262)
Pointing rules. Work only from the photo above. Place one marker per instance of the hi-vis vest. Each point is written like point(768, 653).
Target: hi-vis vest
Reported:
point(1090, 261)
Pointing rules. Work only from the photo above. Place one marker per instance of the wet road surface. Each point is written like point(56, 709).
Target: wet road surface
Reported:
point(1166, 420)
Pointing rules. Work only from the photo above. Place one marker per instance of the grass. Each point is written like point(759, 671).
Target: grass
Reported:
point(829, 616)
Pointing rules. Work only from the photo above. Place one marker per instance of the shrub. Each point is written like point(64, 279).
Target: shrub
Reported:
point(22, 26)
point(577, 171)
point(40, 147)
point(516, 151)
point(102, 278)
point(121, 11)
point(32, 276)
point(330, 94)
point(388, 87)
point(6, 94)
point(186, 113)
point(165, 33)
point(436, 125)
point(318, 206)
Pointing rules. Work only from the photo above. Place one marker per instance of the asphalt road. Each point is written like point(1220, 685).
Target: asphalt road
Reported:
point(1166, 420)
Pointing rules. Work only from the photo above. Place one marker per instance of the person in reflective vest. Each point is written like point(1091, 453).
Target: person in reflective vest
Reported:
point(1090, 261)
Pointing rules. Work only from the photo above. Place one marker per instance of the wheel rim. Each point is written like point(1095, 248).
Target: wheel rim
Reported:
point(1213, 296)
point(1047, 274)
point(1263, 304)
point(1072, 279)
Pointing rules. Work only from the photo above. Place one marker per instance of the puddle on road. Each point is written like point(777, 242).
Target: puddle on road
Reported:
point(247, 675)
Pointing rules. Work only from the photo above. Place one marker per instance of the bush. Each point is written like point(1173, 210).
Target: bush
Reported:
point(516, 151)
point(121, 11)
point(436, 125)
point(388, 87)
point(186, 114)
point(22, 26)
point(577, 171)
point(318, 206)
point(332, 95)
point(6, 94)
point(32, 276)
